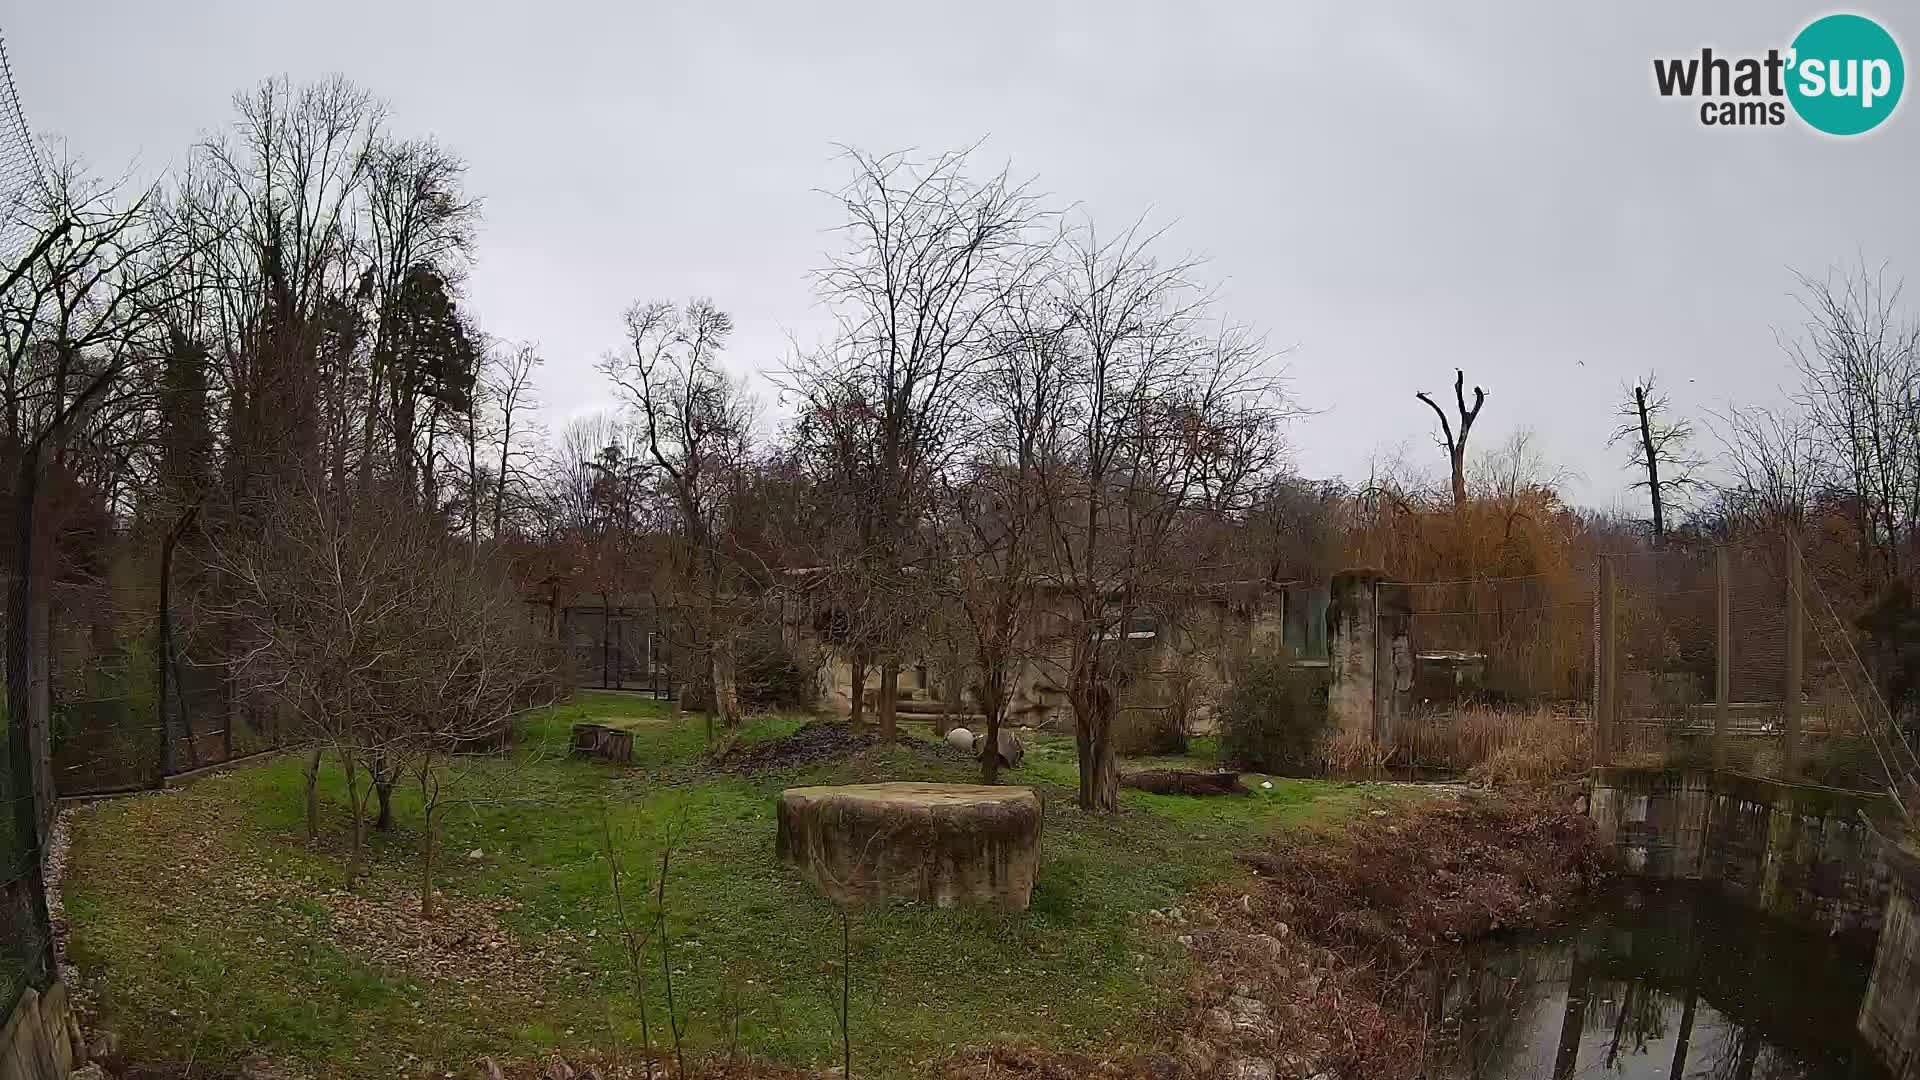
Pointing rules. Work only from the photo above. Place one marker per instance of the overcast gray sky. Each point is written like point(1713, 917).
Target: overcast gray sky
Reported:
point(1390, 193)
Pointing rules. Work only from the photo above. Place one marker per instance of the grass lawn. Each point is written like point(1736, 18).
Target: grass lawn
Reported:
point(206, 930)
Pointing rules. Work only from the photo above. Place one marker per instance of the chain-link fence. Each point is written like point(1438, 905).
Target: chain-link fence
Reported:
point(25, 931)
point(1726, 656)
point(1509, 640)
point(19, 168)
point(617, 646)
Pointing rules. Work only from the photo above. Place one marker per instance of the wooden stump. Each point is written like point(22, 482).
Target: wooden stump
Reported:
point(604, 741)
point(943, 844)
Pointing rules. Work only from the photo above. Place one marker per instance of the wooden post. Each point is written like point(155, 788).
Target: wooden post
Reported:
point(1722, 658)
point(1609, 697)
point(1796, 653)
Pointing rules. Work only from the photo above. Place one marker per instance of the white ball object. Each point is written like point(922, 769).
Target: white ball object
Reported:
point(960, 738)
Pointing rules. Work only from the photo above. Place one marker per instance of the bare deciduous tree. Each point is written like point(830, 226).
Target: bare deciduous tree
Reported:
point(695, 426)
point(1167, 419)
point(1661, 449)
point(1776, 465)
point(992, 519)
point(1455, 444)
point(1859, 361)
point(931, 256)
point(386, 639)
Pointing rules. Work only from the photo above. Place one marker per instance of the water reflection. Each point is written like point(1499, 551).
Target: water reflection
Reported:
point(1660, 983)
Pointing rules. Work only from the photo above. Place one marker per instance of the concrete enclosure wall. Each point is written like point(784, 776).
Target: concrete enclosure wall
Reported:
point(1370, 651)
point(1890, 1013)
point(1792, 850)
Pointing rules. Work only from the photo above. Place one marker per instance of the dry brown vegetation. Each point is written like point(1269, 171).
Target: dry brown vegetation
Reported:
point(1312, 966)
point(1486, 745)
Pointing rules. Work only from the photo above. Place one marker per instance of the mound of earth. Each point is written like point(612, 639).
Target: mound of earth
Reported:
point(821, 741)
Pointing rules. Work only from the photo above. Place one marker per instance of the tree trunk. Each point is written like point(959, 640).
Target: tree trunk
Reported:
point(429, 799)
point(726, 689)
point(40, 700)
point(313, 795)
point(162, 653)
point(1458, 458)
point(992, 703)
point(606, 638)
point(857, 706)
point(889, 699)
point(949, 697)
point(1648, 451)
point(33, 921)
point(1094, 706)
point(382, 775)
point(354, 803)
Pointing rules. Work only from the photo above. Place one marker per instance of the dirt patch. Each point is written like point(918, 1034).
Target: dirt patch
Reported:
point(1185, 782)
point(821, 741)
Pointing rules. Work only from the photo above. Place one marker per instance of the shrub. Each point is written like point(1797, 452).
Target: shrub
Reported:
point(769, 677)
point(1273, 716)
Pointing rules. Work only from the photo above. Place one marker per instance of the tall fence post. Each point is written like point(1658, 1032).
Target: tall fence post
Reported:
point(1722, 656)
point(1796, 652)
point(1608, 705)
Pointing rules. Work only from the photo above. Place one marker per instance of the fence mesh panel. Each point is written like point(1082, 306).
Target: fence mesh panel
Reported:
point(1670, 645)
point(23, 931)
point(1520, 640)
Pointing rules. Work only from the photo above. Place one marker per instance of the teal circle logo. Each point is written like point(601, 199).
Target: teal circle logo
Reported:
point(1846, 74)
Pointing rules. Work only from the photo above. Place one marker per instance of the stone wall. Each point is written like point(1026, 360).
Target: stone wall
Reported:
point(40, 1036)
point(1793, 850)
point(1890, 1013)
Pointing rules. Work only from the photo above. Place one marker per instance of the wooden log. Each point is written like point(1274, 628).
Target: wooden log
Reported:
point(1185, 782)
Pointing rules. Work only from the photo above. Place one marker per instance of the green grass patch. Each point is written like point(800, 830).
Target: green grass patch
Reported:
point(207, 903)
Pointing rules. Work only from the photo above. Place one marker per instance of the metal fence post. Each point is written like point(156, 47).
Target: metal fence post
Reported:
point(1722, 656)
point(1609, 696)
point(1796, 652)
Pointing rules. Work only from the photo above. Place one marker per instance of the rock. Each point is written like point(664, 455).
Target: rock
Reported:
point(1248, 1068)
point(1161, 1067)
point(1267, 947)
point(490, 1071)
point(960, 739)
point(104, 1047)
point(942, 844)
point(1249, 1017)
point(76, 1042)
point(1012, 750)
point(1197, 1055)
point(476, 853)
point(91, 1071)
